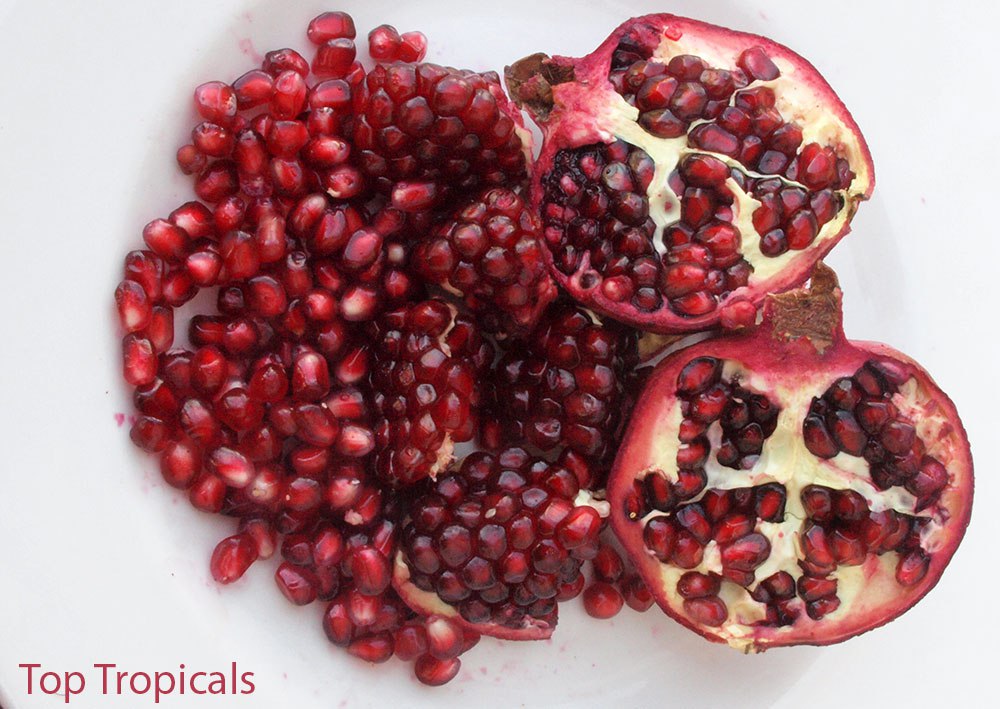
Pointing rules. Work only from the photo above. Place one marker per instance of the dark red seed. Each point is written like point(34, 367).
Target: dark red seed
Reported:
point(710, 611)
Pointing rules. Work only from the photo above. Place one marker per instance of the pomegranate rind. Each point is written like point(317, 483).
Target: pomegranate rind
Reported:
point(880, 599)
point(428, 604)
point(586, 110)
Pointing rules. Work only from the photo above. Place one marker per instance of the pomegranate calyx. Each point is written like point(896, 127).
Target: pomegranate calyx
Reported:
point(812, 312)
point(530, 80)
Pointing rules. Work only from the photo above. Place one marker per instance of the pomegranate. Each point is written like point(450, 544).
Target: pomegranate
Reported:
point(687, 171)
point(493, 542)
point(785, 485)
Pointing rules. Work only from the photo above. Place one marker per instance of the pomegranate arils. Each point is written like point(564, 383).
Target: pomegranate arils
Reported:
point(565, 384)
point(428, 361)
point(434, 672)
point(456, 129)
point(888, 441)
point(383, 43)
point(488, 251)
point(216, 102)
point(497, 559)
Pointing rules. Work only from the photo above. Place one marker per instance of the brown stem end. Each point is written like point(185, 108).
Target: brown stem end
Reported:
point(812, 312)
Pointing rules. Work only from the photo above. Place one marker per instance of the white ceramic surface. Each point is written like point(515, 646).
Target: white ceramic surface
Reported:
point(99, 562)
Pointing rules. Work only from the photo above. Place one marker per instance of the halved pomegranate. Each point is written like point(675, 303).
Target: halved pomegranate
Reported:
point(787, 486)
point(688, 170)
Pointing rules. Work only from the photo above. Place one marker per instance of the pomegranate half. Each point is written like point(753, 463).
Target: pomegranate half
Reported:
point(785, 485)
point(687, 170)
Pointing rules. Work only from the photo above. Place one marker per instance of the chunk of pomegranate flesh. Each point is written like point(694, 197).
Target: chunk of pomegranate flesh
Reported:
point(492, 543)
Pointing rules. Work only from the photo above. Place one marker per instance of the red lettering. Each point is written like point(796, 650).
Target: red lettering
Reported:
point(218, 684)
point(193, 687)
point(49, 675)
point(247, 681)
point(137, 675)
point(104, 675)
point(81, 683)
point(160, 689)
point(30, 667)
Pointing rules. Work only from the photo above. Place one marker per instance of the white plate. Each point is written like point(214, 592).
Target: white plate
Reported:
point(100, 563)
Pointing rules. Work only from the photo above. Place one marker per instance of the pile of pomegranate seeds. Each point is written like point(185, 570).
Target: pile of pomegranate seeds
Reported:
point(338, 372)
point(392, 395)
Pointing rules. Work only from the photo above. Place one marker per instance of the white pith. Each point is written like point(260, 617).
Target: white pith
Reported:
point(797, 101)
point(446, 453)
point(787, 461)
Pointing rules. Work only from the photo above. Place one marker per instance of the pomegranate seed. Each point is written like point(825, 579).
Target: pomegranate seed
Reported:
point(637, 595)
point(372, 648)
point(216, 103)
point(191, 160)
point(165, 239)
point(444, 638)
point(410, 641)
point(232, 557)
point(134, 310)
point(207, 494)
point(296, 583)
point(334, 58)
point(434, 672)
point(231, 467)
point(286, 138)
point(253, 89)
point(330, 25)
point(195, 219)
point(579, 528)
point(711, 611)
point(150, 434)
point(414, 196)
point(139, 360)
point(212, 140)
point(281, 60)
point(384, 43)
point(602, 600)
point(289, 96)
point(262, 534)
point(370, 571)
point(413, 47)
point(180, 463)
point(217, 181)
point(697, 585)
